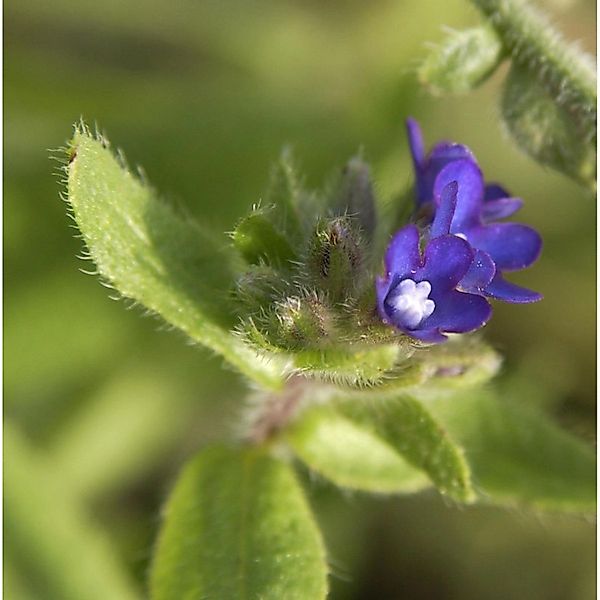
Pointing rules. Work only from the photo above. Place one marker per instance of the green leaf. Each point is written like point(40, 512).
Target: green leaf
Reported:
point(518, 456)
point(462, 61)
point(408, 427)
point(151, 254)
point(64, 555)
point(351, 455)
point(545, 129)
point(238, 526)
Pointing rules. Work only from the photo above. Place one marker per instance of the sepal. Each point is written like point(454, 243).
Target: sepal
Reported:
point(258, 240)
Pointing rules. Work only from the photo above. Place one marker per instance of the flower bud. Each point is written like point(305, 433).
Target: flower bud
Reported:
point(354, 195)
point(301, 322)
point(335, 261)
point(258, 288)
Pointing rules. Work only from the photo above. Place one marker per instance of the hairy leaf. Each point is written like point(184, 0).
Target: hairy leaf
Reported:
point(351, 455)
point(151, 254)
point(545, 129)
point(238, 526)
point(407, 426)
point(517, 455)
point(462, 61)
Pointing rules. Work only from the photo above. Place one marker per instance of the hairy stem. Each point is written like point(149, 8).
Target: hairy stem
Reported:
point(277, 409)
point(566, 73)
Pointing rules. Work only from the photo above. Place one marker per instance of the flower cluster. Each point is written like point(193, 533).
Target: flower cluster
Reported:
point(466, 251)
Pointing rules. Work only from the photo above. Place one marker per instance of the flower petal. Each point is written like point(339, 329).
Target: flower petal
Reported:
point(441, 155)
point(417, 151)
point(415, 142)
point(480, 274)
point(402, 256)
point(494, 191)
point(456, 312)
point(470, 192)
point(501, 208)
point(447, 260)
point(512, 246)
point(446, 152)
point(500, 289)
point(445, 211)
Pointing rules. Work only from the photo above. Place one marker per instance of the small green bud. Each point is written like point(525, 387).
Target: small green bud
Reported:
point(258, 288)
point(464, 60)
point(258, 240)
point(301, 322)
point(545, 130)
point(354, 195)
point(335, 261)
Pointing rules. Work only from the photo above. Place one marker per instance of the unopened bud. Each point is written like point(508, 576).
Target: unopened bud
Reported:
point(302, 322)
point(258, 288)
point(335, 262)
point(354, 195)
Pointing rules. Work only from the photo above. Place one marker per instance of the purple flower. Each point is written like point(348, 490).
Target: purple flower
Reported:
point(499, 246)
point(419, 294)
point(498, 203)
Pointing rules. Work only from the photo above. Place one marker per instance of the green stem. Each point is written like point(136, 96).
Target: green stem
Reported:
point(566, 73)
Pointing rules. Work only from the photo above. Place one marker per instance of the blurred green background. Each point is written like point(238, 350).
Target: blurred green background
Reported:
point(102, 406)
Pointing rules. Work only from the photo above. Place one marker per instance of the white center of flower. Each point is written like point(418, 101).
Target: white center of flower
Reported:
point(411, 300)
point(462, 236)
